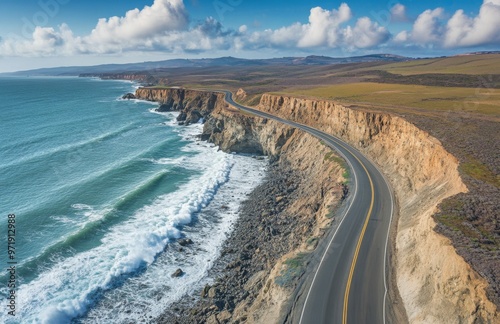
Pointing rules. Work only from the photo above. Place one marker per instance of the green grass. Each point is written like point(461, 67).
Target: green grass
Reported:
point(331, 212)
point(312, 240)
point(252, 101)
point(454, 221)
point(294, 268)
point(469, 64)
point(330, 156)
point(486, 101)
point(296, 261)
point(479, 171)
point(346, 175)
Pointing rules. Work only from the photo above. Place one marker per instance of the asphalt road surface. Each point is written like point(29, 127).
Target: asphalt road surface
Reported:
point(348, 284)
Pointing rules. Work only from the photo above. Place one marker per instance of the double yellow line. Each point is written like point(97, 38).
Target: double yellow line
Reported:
point(358, 246)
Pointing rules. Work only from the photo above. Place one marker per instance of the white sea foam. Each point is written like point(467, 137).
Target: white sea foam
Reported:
point(136, 101)
point(87, 214)
point(168, 161)
point(169, 114)
point(70, 287)
point(129, 261)
point(151, 292)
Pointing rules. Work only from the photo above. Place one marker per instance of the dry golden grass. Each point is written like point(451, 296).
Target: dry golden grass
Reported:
point(483, 101)
point(467, 64)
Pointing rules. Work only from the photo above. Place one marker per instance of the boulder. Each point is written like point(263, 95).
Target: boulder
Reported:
point(168, 105)
point(204, 292)
point(193, 117)
point(177, 273)
point(224, 316)
point(212, 292)
point(182, 116)
point(185, 241)
point(213, 320)
point(129, 96)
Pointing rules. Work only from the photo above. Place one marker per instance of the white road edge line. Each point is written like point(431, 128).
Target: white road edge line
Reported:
point(387, 242)
point(334, 234)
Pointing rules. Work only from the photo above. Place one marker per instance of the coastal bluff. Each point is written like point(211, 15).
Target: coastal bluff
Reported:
point(435, 284)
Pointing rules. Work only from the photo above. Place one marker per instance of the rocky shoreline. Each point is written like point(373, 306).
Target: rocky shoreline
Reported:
point(281, 222)
point(247, 257)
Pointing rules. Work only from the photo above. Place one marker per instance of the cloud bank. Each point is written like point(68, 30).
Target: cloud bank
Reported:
point(431, 29)
point(165, 27)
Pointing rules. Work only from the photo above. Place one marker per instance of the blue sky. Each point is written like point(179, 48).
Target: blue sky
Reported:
point(40, 33)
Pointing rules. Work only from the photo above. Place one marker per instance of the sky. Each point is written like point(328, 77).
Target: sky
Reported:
point(48, 33)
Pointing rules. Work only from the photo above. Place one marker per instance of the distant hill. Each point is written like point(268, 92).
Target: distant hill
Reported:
point(209, 62)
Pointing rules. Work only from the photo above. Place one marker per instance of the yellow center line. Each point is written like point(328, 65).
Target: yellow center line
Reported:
point(358, 246)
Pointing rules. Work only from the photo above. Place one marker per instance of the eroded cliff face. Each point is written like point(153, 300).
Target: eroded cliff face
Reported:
point(193, 105)
point(436, 285)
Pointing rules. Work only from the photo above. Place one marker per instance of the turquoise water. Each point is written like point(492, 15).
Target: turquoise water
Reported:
point(101, 189)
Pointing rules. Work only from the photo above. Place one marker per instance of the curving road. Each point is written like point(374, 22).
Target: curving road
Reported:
point(348, 282)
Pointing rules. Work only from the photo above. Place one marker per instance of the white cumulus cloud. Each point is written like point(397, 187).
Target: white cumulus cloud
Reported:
point(325, 28)
point(484, 29)
point(161, 17)
point(402, 37)
point(460, 31)
point(366, 34)
point(138, 28)
point(398, 13)
point(164, 27)
point(427, 28)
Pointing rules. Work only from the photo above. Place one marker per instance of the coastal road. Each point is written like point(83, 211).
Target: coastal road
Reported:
point(348, 282)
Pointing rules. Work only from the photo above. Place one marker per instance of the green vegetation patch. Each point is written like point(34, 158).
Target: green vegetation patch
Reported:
point(312, 240)
point(252, 101)
point(479, 171)
point(331, 212)
point(451, 217)
point(330, 156)
point(294, 268)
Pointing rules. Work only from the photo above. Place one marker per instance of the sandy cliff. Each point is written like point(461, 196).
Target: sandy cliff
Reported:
point(436, 285)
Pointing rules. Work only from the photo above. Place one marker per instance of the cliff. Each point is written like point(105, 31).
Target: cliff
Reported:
point(316, 182)
point(288, 215)
point(436, 284)
point(193, 105)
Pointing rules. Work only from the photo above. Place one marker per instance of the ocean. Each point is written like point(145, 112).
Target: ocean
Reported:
point(101, 189)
